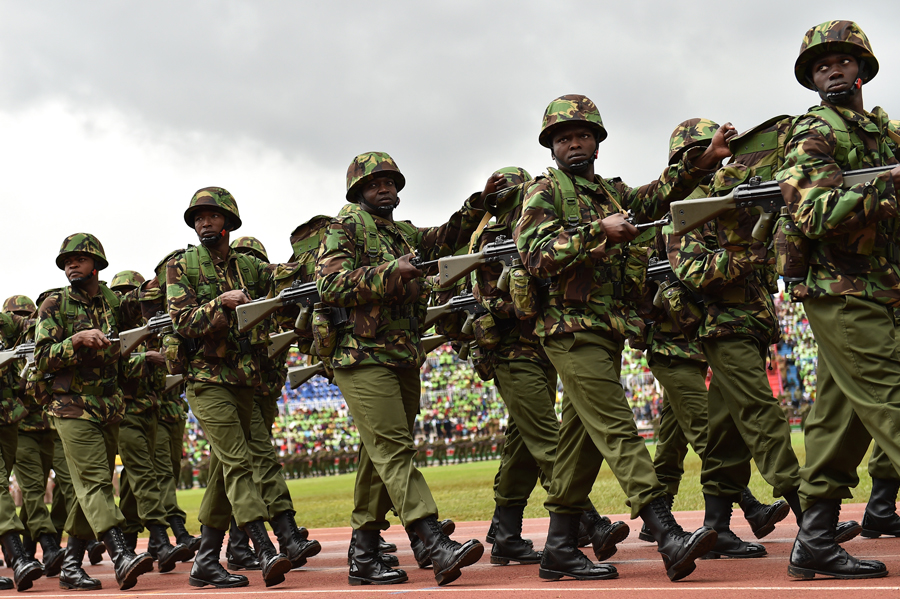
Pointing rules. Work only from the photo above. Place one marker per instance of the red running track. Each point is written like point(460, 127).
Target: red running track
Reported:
point(641, 572)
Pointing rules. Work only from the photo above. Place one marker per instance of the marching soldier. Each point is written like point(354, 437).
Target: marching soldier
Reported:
point(72, 343)
point(572, 235)
point(849, 239)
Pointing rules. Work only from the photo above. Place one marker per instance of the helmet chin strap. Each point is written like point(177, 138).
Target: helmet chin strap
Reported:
point(380, 210)
point(577, 167)
point(213, 241)
point(842, 98)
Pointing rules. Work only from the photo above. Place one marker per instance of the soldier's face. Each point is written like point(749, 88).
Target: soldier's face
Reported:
point(208, 223)
point(834, 72)
point(573, 144)
point(79, 268)
point(380, 191)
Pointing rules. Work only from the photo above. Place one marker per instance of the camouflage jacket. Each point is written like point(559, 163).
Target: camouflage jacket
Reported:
point(518, 340)
point(198, 313)
point(853, 232)
point(588, 277)
point(385, 312)
point(721, 263)
point(13, 330)
point(140, 380)
point(85, 382)
point(36, 418)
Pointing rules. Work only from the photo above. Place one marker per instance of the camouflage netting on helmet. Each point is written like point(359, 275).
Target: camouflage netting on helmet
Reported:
point(568, 109)
point(19, 303)
point(689, 134)
point(368, 166)
point(82, 243)
point(214, 198)
point(130, 279)
point(250, 245)
point(830, 37)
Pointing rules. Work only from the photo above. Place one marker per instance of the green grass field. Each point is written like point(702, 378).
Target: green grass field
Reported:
point(464, 492)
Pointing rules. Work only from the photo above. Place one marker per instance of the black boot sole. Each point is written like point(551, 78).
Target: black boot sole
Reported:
point(608, 549)
point(276, 572)
point(780, 514)
point(312, 549)
point(196, 582)
point(355, 581)
point(686, 564)
point(28, 578)
point(724, 554)
point(72, 587)
point(140, 567)
point(95, 555)
point(54, 567)
point(454, 571)
point(182, 555)
point(871, 534)
point(557, 575)
point(504, 561)
point(235, 566)
point(809, 574)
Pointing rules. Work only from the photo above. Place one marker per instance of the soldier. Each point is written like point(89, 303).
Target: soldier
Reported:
point(273, 373)
point(204, 285)
point(526, 381)
point(680, 366)
point(850, 290)
point(140, 498)
point(72, 343)
point(364, 267)
point(572, 232)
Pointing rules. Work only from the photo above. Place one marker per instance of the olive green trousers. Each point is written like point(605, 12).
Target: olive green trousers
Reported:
point(9, 439)
point(34, 459)
point(140, 498)
point(267, 470)
point(167, 464)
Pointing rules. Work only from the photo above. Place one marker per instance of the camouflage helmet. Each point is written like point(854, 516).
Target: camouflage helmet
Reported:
point(368, 166)
point(19, 303)
point(131, 279)
point(514, 175)
point(250, 245)
point(82, 243)
point(689, 134)
point(570, 108)
point(830, 37)
point(214, 197)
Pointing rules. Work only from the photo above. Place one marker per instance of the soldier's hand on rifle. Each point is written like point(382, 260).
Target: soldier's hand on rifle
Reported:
point(718, 150)
point(495, 183)
point(407, 270)
point(156, 358)
point(618, 229)
point(234, 298)
point(93, 338)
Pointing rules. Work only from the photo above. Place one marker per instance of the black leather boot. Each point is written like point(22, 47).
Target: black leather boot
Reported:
point(72, 576)
point(385, 547)
point(679, 549)
point(127, 564)
point(845, 530)
point(167, 554)
point(25, 569)
point(206, 569)
point(367, 565)
point(881, 512)
point(604, 535)
point(176, 523)
point(6, 584)
point(718, 517)
point(53, 554)
point(274, 565)
point(238, 553)
point(492, 530)
point(645, 534)
point(95, 551)
point(761, 517)
point(561, 556)
point(130, 541)
point(30, 545)
point(290, 542)
point(390, 560)
point(447, 556)
point(816, 552)
point(420, 552)
point(509, 546)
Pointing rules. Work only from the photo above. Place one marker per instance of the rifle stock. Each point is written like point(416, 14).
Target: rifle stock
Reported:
point(453, 268)
point(131, 338)
point(252, 313)
point(281, 342)
point(435, 313)
point(297, 375)
point(432, 342)
point(173, 380)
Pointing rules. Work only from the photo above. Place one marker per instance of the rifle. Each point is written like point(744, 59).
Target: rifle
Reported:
point(23, 350)
point(461, 303)
point(281, 342)
point(453, 268)
point(660, 271)
point(172, 380)
point(159, 324)
point(766, 196)
point(303, 294)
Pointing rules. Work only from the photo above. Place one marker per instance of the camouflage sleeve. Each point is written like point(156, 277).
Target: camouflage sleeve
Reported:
point(12, 326)
point(340, 284)
point(547, 248)
point(703, 270)
point(136, 366)
point(189, 318)
point(53, 351)
point(434, 242)
point(810, 182)
point(651, 201)
point(130, 311)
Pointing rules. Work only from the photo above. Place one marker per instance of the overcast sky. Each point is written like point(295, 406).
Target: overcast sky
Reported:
point(113, 113)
